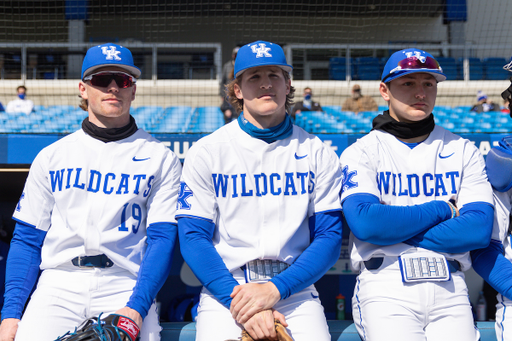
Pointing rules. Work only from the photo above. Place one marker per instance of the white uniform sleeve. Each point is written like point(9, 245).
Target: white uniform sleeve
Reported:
point(358, 171)
point(474, 187)
point(37, 201)
point(161, 204)
point(200, 202)
point(328, 182)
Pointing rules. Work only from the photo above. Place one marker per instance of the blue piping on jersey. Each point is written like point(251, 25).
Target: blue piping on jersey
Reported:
point(194, 217)
point(359, 308)
point(503, 318)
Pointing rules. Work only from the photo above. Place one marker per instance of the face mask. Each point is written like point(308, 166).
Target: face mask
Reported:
point(21, 96)
point(307, 97)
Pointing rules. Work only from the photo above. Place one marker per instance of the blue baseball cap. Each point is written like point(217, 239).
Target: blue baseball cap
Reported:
point(109, 55)
point(260, 53)
point(409, 61)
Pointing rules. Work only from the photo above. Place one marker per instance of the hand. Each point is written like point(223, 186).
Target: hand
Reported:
point(228, 113)
point(8, 329)
point(261, 325)
point(131, 313)
point(251, 298)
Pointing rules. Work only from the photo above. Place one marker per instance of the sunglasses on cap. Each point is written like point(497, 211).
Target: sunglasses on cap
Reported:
point(414, 63)
point(104, 78)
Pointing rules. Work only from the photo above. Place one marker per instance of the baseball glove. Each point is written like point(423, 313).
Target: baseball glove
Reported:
point(282, 334)
point(111, 328)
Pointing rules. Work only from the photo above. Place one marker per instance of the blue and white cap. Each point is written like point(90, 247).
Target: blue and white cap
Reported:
point(409, 61)
point(109, 55)
point(260, 53)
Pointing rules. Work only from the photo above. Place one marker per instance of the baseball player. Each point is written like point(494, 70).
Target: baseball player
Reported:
point(417, 200)
point(96, 216)
point(259, 216)
point(494, 262)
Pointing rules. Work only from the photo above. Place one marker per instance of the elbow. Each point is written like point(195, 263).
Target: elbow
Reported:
point(482, 233)
point(371, 235)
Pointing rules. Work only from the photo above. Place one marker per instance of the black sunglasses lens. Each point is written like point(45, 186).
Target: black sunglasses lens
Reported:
point(122, 81)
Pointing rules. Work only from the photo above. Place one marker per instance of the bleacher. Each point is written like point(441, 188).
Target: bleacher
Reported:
point(154, 119)
point(65, 119)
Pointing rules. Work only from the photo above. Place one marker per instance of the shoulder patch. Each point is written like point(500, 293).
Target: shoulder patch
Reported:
point(346, 179)
point(185, 193)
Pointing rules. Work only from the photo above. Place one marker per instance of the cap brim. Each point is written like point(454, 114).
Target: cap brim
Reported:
point(132, 70)
point(438, 75)
point(285, 67)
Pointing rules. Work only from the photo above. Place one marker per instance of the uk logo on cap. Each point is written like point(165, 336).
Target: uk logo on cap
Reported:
point(262, 51)
point(110, 52)
point(106, 55)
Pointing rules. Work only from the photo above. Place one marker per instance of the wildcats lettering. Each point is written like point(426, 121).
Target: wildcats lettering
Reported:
point(413, 185)
point(94, 181)
point(259, 185)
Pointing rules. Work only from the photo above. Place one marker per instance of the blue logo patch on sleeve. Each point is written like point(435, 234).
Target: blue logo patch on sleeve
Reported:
point(185, 193)
point(18, 207)
point(346, 178)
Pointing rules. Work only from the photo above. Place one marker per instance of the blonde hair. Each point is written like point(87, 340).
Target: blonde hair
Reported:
point(238, 104)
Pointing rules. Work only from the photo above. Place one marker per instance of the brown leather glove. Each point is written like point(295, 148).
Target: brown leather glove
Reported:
point(282, 334)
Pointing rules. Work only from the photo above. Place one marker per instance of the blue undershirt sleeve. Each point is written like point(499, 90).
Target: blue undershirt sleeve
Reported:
point(380, 224)
point(325, 234)
point(22, 268)
point(469, 231)
point(198, 251)
point(495, 269)
point(155, 266)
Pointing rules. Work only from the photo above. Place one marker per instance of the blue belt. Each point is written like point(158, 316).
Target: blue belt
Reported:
point(99, 261)
point(376, 262)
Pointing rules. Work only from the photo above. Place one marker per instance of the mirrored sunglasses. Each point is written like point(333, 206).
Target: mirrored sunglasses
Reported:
point(414, 63)
point(103, 79)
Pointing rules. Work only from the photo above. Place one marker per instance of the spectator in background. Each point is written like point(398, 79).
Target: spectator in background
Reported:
point(483, 103)
point(227, 76)
point(357, 102)
point(20, 105)
point(307, 103)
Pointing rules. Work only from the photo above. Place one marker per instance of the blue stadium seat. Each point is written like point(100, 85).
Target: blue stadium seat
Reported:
point(205, 120)
point(493, 69)
point(173, 120)
point(476, 68)
point(338, 69)
point(367, 68)
point(450, 68)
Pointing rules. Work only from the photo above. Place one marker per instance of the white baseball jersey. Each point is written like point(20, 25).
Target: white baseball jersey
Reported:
point(442, 167)
point(259, 195)
point(98, 198)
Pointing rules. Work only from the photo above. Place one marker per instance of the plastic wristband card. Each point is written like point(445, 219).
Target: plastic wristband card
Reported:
point(421, 267)
point(262, 270)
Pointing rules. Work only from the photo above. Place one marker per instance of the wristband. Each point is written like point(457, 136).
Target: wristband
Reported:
point(451, 203)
